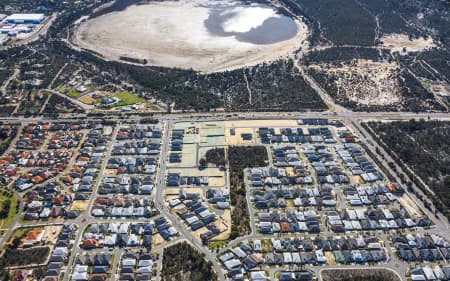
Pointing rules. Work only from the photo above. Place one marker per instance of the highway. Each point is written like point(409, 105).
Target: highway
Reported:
point(130, 118)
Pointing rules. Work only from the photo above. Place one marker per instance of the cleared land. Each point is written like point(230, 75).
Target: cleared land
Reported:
point(364, 81)
point(402, 43)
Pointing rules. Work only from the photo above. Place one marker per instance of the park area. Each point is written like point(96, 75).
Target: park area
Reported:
point(8, 209)
point(127, 98)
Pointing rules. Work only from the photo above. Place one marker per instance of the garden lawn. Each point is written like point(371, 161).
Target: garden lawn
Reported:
point(127, 99)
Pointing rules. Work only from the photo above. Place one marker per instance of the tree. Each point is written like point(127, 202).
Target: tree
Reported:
point(16, 243)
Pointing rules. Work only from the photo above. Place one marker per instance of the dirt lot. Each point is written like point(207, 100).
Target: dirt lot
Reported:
point(210, 172)
point(401, 42)
point(366, 82)
point(410, 206)
point(110, 172)
point(330, 258)
point(157, 240)
point(356, 180)
point(237, 139)
point(169, 192)
point(216, 181)
point(52, 233)
point(79, 205)
point(174, 193)
point(224, 226)
point(198, 232)
point(87, 99)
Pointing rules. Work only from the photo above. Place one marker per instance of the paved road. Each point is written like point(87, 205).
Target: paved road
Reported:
point(14, 223)
point(373, 146)
point(6, 83)
point(85, 218)
point(363, 116)
point(182, 229)
point(75, 101)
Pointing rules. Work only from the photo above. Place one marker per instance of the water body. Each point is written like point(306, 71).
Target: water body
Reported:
point(271, 26)
point(204, 35)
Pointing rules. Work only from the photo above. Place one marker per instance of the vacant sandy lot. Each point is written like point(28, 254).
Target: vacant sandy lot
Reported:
point(110, 172)
point(173, 34)
point(224, 226)
point(87, 99)
point(237, 139)
point(330, 258)
point(216, 181)
point(52, 233)
point(79, 205)
point(191, 172)
point(401, 42)
point(410, 206)
point(157, 240)
point(260, 123)
point(366, 82)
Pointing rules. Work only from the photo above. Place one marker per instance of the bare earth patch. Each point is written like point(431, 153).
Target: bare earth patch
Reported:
point(79, 205)
point(410, 206)
point(87, 99)
point(401, 43)
point(366, 82)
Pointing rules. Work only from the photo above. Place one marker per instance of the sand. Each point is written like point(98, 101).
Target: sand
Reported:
point(171, 193)
point(410, 206)
point(157, 240)
point(79, 205)
point(330, 258)
point(237, 139)
point(110, 172)
point(367, 82)
point(401, 42)
point(260, 123)
point(190, 172)
point(216, 181)
point(87, 99)
point(224, 226)
point(172, 34)
point(52, 233)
